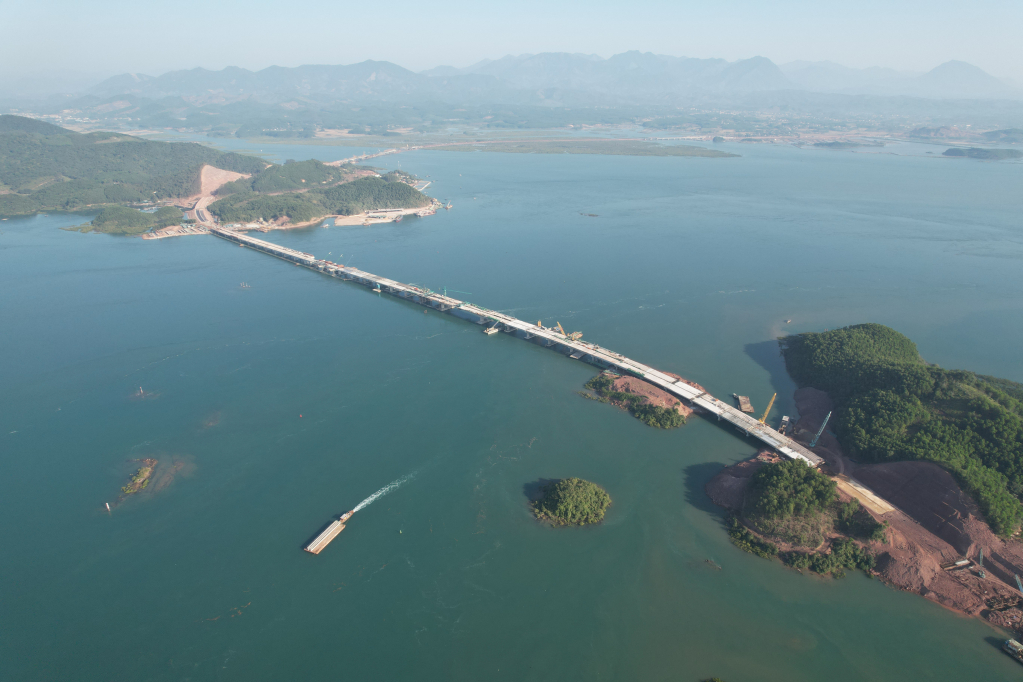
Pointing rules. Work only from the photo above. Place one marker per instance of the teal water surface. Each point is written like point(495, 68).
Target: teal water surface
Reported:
point(273, 407)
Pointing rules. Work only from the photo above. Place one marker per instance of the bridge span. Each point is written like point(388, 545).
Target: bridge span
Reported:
point(551, 338)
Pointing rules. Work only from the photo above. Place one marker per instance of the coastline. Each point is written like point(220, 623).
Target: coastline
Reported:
point(366, 218)
point(931, 525)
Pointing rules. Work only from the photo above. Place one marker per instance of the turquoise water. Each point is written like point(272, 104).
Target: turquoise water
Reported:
point(291, 401)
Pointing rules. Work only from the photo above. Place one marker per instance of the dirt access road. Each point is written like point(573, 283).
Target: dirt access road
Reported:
point(210, 180)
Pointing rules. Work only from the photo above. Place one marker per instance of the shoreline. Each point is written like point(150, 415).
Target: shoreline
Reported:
point(366, 218)
point(932, 524)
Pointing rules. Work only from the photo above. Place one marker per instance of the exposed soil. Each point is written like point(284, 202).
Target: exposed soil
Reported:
point(653, 395)
point(934, 522)
point(213, 179)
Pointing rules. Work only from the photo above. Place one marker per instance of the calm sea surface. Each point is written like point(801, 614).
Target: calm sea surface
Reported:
point(273, 407)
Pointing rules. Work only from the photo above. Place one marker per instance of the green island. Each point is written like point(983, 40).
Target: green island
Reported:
point(44, 167)
point(891, 405)
point(790, 503)
point(984, 154)
point(637, 405)
point(309, 190)
point(572, 502)
point(140, 479)
point(590, 146)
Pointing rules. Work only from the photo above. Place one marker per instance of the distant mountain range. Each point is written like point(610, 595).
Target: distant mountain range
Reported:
point(951, 80)
point(554, 78)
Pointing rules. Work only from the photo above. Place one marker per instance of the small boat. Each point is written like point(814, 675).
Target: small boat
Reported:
point(490, 330)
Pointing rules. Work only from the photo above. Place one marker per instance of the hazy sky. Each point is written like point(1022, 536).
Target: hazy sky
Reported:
point(112, 36)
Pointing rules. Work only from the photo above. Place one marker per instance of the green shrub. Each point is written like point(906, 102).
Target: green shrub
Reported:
point(788, 488)
point(746, 541)
point(845, 553)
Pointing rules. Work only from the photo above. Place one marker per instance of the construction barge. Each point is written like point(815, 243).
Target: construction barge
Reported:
point(744, 403)
point(331, 532)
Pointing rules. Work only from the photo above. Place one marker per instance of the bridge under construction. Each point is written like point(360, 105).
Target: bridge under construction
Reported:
point(555, 339)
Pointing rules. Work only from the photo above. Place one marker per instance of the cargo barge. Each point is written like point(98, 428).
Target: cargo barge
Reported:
point(331, 532)
point(744, 403)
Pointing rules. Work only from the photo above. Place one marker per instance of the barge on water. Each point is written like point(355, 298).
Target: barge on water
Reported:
point(744, 403)
point(331, 532)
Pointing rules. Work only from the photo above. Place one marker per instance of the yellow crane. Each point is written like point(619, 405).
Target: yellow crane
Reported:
point(768, 410)
point(575, 336)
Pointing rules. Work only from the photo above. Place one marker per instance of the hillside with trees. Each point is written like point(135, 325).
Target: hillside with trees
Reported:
point(44, 167)
point(891, 405)
point(788, 503)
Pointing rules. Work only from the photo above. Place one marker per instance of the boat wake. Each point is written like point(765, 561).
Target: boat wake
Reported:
point(393, 485)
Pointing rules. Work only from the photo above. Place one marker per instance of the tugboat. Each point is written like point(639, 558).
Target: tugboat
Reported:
point(332, 531)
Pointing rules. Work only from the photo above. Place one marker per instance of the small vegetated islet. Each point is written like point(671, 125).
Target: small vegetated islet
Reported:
point(637, 405)
point(140, 479)
point(572, 502)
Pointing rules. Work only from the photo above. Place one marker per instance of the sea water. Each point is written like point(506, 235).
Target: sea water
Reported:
point(276, 407)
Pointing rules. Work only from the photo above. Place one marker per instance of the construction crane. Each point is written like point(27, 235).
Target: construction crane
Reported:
point(469, 293)
point(1019, 584)
point(982, 574)
point(574, 336)
point(813, 443)
point(768, 410)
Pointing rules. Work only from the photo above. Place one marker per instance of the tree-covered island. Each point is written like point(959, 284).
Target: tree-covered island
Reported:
point(571, 502)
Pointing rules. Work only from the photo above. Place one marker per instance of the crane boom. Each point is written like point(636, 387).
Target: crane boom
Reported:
point(813, 443)
point(768, 410)
point(563, 332)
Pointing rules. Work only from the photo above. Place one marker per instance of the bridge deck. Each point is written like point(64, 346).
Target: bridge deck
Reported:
point(585, 351)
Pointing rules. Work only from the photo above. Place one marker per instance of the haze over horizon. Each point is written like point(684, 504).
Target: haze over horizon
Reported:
point(100, 40)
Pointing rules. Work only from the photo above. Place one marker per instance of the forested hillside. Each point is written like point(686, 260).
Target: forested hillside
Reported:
point(45, 167)
point(891, 405)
